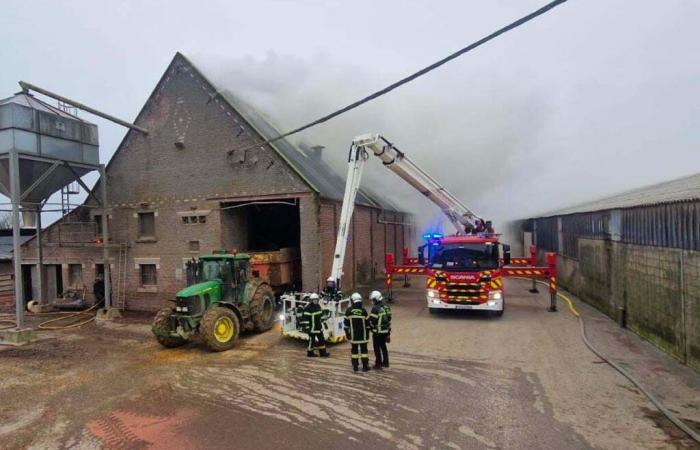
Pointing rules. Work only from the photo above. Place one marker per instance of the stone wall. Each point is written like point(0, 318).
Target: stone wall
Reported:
point(656, 289)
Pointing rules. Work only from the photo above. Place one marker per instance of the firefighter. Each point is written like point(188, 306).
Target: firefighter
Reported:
point(312, 322)
point(357, 331)
point(380, 324)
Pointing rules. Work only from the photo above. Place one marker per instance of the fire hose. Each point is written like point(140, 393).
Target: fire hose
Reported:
point(79, 318)
point(662, 409)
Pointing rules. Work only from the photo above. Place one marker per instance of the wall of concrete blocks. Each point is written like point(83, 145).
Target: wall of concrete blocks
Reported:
point(656, 289)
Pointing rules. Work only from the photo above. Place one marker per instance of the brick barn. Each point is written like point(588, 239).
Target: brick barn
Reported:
point(194, 185)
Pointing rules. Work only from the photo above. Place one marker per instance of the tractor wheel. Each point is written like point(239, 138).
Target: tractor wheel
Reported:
point(263, 308)
point(161, 325)
point(219, 329)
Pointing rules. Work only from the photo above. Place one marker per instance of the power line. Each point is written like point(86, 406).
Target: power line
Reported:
point(423, 71)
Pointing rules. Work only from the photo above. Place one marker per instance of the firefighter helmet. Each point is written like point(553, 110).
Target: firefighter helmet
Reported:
point(356, 298)
point(314, 297)
point(375, 296)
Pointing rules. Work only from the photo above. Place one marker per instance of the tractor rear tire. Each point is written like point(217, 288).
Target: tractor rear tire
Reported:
point(219, 329)
point(161, 325)
point(263, 307)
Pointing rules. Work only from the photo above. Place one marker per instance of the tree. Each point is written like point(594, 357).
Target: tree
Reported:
point(5, 221)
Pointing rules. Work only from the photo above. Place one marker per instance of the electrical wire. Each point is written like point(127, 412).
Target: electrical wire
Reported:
point(662, 409)
point(523, 20)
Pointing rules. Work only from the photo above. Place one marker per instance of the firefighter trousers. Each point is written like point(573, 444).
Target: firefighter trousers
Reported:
point(358, 351)
point(381, 352)
point(317, 342)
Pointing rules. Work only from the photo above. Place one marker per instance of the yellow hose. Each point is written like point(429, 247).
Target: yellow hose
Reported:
point(656, 402)
point(9, 319)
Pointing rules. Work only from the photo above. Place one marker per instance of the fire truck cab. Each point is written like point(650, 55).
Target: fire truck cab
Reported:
point(464, 272)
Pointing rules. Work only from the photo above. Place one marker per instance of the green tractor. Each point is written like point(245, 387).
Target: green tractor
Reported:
point(221, 299)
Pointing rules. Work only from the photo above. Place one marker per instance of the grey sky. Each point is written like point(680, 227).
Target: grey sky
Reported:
point(596, 97)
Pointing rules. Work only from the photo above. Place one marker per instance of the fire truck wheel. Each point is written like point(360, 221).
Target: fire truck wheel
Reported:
point(263, 306)
point(500, 313)
point(161, 328)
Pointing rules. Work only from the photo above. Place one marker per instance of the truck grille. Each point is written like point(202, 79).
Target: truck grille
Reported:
point(463, 292)
point(193, 305)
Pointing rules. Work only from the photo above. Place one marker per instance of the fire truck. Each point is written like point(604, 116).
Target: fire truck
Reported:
point(462, 271)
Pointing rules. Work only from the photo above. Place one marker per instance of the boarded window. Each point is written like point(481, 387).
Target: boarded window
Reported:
point(75, 275)
point(147, 224)
point(98, 224)
point(149, 275)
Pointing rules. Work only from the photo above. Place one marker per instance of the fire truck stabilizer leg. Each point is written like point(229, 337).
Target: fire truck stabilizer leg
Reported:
point(533, 289)
point(552, 302)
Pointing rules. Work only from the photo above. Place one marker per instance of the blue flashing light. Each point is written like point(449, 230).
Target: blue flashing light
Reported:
point(426, 236)
point(435, 243)
point(437, 236)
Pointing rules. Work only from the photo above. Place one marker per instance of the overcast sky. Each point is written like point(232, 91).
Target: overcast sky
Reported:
point(596, 97)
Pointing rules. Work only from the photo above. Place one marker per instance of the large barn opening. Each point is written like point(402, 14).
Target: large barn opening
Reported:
point(270, 231)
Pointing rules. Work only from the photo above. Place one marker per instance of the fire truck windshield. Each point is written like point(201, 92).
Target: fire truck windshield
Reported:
point(465, 257)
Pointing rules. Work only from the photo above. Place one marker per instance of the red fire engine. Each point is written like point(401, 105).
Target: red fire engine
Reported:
point(463, 271)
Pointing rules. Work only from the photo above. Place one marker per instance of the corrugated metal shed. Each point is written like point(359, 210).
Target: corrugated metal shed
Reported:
point(679, 190)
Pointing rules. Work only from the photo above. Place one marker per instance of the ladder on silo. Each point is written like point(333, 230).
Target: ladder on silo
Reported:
point(120, 285)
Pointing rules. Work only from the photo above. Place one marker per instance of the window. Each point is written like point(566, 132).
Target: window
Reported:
point(147, 225)
point(75, 275)
point(191, 220)
point(98, 224)
point(149, 275)
point(194, 246)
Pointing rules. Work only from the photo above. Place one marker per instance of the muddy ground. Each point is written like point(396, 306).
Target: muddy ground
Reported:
point(456, 381)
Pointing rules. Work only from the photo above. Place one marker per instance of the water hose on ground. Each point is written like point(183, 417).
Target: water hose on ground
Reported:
point(80, 318)
point(662, 409)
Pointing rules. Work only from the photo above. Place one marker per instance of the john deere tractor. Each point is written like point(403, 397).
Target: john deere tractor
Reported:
point(221, 299)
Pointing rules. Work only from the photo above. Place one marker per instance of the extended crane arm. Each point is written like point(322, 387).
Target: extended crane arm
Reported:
point(461, 217)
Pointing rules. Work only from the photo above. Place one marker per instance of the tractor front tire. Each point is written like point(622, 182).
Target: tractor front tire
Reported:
point(161, 327)
point(219, 329)
point(263, 306)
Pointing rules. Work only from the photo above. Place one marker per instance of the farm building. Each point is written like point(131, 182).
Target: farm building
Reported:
point(636, 257)
point(194, 185)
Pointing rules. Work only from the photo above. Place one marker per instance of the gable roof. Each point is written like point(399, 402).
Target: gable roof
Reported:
point(678, 190)
point(314, 171)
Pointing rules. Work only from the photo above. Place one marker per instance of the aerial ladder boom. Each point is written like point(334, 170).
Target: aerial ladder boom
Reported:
point(461, 217)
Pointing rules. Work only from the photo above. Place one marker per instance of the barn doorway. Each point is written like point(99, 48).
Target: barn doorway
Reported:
point(270, 231)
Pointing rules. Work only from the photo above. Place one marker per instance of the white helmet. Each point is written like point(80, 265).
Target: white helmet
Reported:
point(375, 296)
point(314, 297)
point(356, 298)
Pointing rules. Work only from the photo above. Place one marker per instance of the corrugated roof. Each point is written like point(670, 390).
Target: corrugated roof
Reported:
point(319, 174)
point(681, 189)
point(6, 246)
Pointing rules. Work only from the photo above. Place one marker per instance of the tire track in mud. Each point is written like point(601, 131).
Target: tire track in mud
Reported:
point(419, 402)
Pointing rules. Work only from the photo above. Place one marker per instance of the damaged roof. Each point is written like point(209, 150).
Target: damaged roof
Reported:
point(314, 170)
point(678, 190)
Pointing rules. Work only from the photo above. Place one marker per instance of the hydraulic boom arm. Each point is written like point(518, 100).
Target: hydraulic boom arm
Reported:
point(462, 218)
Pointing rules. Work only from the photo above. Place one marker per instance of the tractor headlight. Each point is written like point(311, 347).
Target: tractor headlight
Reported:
point(282, 317)
point(178, 308)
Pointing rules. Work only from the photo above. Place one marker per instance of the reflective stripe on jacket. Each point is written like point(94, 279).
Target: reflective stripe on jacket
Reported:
point(380, 318)
point(357, 325)
point(313, 318)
